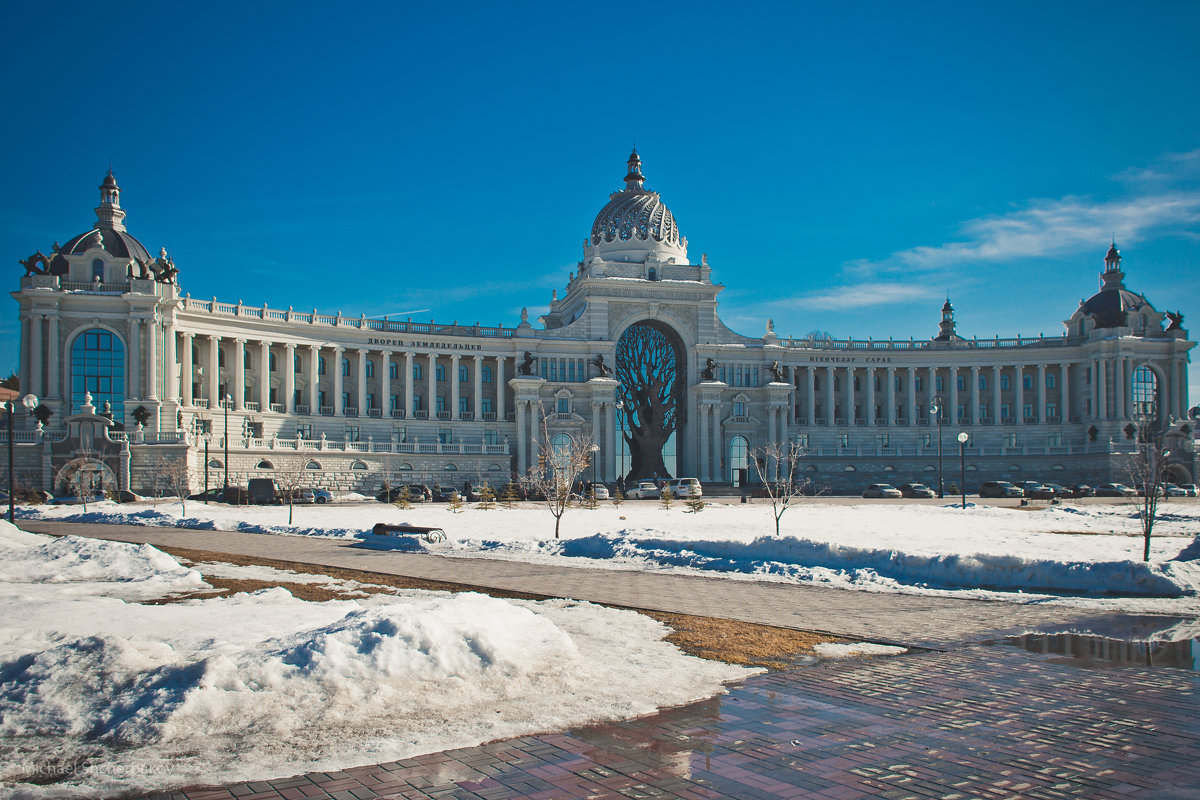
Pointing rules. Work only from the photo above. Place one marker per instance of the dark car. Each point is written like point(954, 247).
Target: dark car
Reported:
point(1115, 490)
point(212, 495)
point(417, 493)
point(235, 496)
point(882, 490)
point(262, 491)
point(446, 494)
point(913, 489)
point(1037, 491)
point(1000, 489)
point(1079, 490)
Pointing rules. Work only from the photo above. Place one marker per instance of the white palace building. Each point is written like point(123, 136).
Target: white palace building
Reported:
point(134, 374)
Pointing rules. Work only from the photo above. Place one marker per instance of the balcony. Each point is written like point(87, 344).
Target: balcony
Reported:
point(466, 415)
point(374, 412)
point(305, 410)
point(350, 411)
point(489, 416)
point(326, 411)
point(200, 402)
point(277, 408)
point(443, 415)
point(397, 413)
point(420, 413)
point(252, 406)
point(820, 421)
point(1008, 421)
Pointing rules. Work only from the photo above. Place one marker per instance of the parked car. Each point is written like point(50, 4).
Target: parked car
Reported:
point(318, 496)
point(235, 496)
point(1079, 490)
point(1000, 489)
point(1171, 490)
point(1115, 490)
point(1036, 490)
point(912, 489)
point(215, 495)
point(882, 490)
point(417, 493)
point(446, 494)
point(645, 490)
point(262, 491)
point(685, 487)
point(1190, 489)
point(600, 490)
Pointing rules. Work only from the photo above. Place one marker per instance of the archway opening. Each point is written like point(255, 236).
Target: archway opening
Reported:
point(650, 368)
point(98, 367)
point(739, 460)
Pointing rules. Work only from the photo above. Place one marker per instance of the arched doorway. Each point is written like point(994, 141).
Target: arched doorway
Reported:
point(651, 413)
point(1145, 394)
point(739, 460)
point(86, 477)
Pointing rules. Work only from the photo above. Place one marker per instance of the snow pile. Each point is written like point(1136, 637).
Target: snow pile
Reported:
point(831, 650)
point(106, 696)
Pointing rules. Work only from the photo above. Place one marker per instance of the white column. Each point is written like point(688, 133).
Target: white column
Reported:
point(477, 391)
point(522, 447)
point(890, 395)
point(1019, 394)
point(1181, 383)
point(1094, 367)
point(214, 372)
point(454, 386)
point(170, 359)
point(1102, 388)
point(501, 385)
point(408, 385)
point(996, 395)
point(151, 359)
point(850, 415)
point(362, 382)
point(1120, 383)
point(289, 378)
point(933, 393)
point(974, 395)
point(239, 374)
point(718, 444)
point(186, 370)
point(338, 407)
point(35, 358)
point(705, 456)
point(54, 348)
point(912, 395)
point(810, 394)
point(314, 379)
point(829, 396)
point(869, 373)
point(614, 436)
point(597, 410)
point(27, 339)
point(952, 378)
point(432, 385)
point(1064, 392)
point(135, 360)
point(385, 384)
point(1040, 411)
point(264, 376)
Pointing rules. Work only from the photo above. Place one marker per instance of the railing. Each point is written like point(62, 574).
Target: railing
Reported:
point(374, 412)
point(340, 445)
point(336, 320)
point(466, 416)
point(443, 415)
point(349, 411)
point(305, 410)
point(420, 413)
point(200, 402)
point(95, 287)
point(277, 408)
point(253, 406)
point(326, 411)
point(397, 413)
point(891, 344)
point(489, 416)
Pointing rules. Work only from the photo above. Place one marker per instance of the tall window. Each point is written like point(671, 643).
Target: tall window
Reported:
point(739, 462)
point(486, 372)
point(462, 373)
point(441, 372)
point(393, 370)
point(416, 371)
point(271, 362)
point(345, 366)
point(1145, 393)
point(321, 365)
point(370, 368)
point(98, 270)
point(98, 366)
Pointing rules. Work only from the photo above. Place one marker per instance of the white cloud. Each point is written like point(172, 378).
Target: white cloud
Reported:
point(863, 295)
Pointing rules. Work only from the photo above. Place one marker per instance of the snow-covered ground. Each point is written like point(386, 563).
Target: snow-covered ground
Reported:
point(100, 694)
point(1088, 554)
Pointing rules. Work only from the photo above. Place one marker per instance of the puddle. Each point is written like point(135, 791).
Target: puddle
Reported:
point(1090, 650)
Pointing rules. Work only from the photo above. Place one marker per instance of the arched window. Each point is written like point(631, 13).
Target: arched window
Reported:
point(652, 274)
point(450, 468)
point(359, 465)
point(98, 270)
point(561, 447)
point(393, 370)
point(739, 462)
point(214, 463)
point(98, 366)
point(405, 467)
point(1145, 393)
point(264, 464)
point(416, 372)
point(312, 465)
point(440, 372)
point(345, 366)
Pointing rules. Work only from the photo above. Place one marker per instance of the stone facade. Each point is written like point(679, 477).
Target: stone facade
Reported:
point(356, 402)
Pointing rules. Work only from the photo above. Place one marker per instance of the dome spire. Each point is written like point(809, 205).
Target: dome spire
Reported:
point(1112, 277)
point(109, 215)
point(635, 179)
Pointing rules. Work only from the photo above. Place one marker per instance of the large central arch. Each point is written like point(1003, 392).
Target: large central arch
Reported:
point(651, 367)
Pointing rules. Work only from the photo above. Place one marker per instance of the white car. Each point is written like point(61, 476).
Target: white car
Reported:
point(645, 490)
point(685, 487)
point(600, 490)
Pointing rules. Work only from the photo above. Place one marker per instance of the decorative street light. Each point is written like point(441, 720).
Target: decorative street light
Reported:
point(595, 448)
point(201, 429)
point(935, 407)
point(30, 402)
point(962, 463)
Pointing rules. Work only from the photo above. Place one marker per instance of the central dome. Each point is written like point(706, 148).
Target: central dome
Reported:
point(635, 223)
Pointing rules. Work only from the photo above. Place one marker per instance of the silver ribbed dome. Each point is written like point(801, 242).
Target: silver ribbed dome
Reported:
point(635, 213)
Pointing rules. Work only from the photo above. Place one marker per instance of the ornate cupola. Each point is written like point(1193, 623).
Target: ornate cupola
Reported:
point(635, 226)
point(1112, 277)
point(109, 215)
point(946, 326)
point(635, 179)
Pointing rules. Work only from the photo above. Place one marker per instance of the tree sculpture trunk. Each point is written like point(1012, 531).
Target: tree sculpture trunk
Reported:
point(647, 364)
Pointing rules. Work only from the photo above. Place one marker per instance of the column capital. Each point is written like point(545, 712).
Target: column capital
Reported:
point(289, 345)
point(240, 340)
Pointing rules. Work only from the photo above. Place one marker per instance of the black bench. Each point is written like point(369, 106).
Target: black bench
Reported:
point(404, 529)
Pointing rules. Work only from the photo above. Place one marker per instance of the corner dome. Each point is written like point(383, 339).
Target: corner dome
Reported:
point(109, 231)
point(636, 223)
point(1112, 306)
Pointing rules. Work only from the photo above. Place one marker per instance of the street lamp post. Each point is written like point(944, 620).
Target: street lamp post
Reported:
point(935, 407)
point(962, 464)
point(595, 448)
point(30, 402)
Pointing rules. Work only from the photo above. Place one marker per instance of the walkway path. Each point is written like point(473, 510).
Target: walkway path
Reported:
point(906, 619)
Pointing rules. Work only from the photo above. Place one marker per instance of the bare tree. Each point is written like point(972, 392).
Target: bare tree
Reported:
point(647, 368)
point(777, 466)
point(1147, 468)
point(174, 477)
point(289, 476)
point(560, 463)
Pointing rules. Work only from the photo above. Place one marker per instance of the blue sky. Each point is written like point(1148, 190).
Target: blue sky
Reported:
point(844, 168)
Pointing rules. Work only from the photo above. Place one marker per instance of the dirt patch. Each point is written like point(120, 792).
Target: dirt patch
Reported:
point(746, 643)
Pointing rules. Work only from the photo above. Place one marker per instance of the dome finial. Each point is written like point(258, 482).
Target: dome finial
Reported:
point(634, 179)
point(109, 214)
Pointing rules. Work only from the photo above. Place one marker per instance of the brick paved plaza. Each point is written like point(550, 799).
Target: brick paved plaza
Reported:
point(961, 721)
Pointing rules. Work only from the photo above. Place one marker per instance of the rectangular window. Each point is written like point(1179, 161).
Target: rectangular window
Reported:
point(1028, 411)
point(918, 382)
point(304, 430)
point(571, 370)
point(416, 372)
point(417, 400)
point(463, 375)
point(983, 383)
point(962, 412)
point(940, 383)
point(843, 440)
point(491, 437)
point(487, 374)
point(739, 409)
point(1054, 440)
point(816, 383)
point(351, 433)
point(802, 440)
point(393, 370)
point(1010, 440)
point(370, 368)
point(1005, 411)
point(1004, 381)
point(983, 411)
point(401, 434)
point(883, 440)
point(346, 400)
point(441, 404)
point(856, 383)
point(440, 373)
point(1049, 380)
point(961, 382)
point(395, 403)
point(487, 405)
point(463, 405)
point(345, 366)
point(370, 400)
point(1027, 381)
point(553, 369)
point(445, 436)
point(1051, 409)
point(564, 405)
